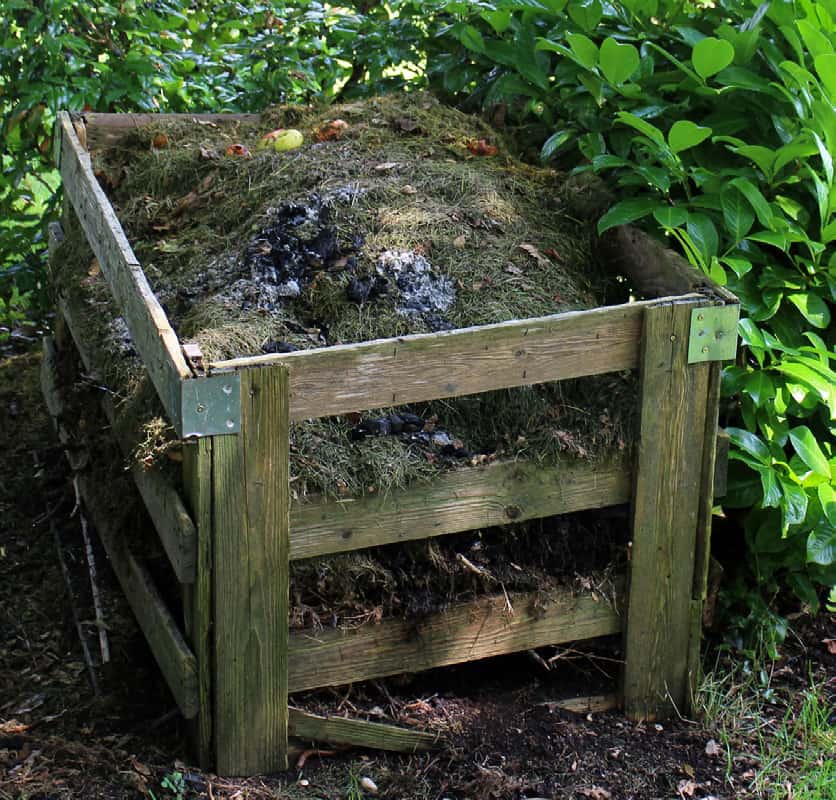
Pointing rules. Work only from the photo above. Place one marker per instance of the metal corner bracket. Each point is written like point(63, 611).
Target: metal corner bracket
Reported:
point(713, 334)
point(211, 406)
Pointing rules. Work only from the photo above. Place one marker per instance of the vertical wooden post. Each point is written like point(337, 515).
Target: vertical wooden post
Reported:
point(666, 513)
point(250, 568)
point(197, 597)
point(702, 551)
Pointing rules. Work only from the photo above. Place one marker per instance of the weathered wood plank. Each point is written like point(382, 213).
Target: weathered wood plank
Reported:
point(466, 632)
point(356, 377)
point(152, 334)
point(106, 130)
point(197, 597)
point(721, 463)
point(165, 506)
point(476, 497)
point(702, 545)
point(251, 579)
point(176, 661)
point(358, 733)
point(666, 505)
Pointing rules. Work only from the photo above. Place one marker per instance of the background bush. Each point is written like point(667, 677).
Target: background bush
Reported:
point(716, 123)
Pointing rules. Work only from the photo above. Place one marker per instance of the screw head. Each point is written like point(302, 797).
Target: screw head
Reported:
point(200, 408)
point(705, 349)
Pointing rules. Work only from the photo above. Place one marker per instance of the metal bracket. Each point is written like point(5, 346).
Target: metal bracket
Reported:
point(713, 335)
point(211, 406)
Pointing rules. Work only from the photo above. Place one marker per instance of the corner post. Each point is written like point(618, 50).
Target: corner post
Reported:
point(250, 579)
point(667, 507)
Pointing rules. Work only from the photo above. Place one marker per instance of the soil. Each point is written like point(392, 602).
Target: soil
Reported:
point(504, 736)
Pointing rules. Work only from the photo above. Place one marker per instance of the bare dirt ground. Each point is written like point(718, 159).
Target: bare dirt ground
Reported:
point(61, 738)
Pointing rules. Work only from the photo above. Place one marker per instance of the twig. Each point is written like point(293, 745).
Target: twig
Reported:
point(474, 568)
point(82, 638)
point(104, 645)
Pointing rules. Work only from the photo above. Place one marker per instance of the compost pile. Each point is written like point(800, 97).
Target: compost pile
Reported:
point(396, 215)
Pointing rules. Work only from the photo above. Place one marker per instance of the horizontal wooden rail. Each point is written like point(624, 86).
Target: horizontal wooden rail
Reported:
point(152, 335)
point(358, 733)
point(170, 650)
point(105, 130)
point(409, 369)
point(466, 632)
point(461, 500)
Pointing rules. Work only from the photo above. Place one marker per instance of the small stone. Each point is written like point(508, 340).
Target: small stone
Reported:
point(368, 784)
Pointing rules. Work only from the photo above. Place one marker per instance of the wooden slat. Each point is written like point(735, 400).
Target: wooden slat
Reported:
point(171, 652)
point(152, 334)
point(466, 499)
point(702, 545)
point(250, 516)
point(165, 506)
point(358, 733)
point(197, 597)
point(466, 632)
point(666, 511)
point(356, 377)
point(106, 130)
point(721, 463)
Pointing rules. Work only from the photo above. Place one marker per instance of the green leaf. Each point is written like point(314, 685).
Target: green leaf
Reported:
point(826, 68)
point(584, 49)
point(670, 216)
point(618, 61)
point(756, 200)
point(793, 505)
point(684, 134)
point(809, 451)
point(586, 14)
point(827, 498)
point(472, 39)
point(737, 213)
point(710, 55)
point(821, 544)
point(762, 156)
point(812, 308)
point(817, 43)
point(627, 211)
point(760, 387)
point(750, 333)
point(751, 444)
point(649, 130)
point(555, 142)
point(704, 235)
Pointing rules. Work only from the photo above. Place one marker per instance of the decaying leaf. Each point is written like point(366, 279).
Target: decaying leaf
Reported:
point(686, 788)
point(330, 130)
point(535, 254)
point(595, 793)
point(386, 166)
point(481, 147)
point(830, 644)
point(160, 141)
point(712, 748)
point(238, 151)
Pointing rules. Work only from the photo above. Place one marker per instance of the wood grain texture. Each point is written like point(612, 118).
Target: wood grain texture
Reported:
point(107, 130)
point(171, 520)
point(176, 661)
point(721, 463)
point(152, 335)
point(666, 508)
point(465, 632)
point(466, 499)
point(702, 545)
point(250, 516)
point(358, 733)
point(197, 597)
point(387, 372)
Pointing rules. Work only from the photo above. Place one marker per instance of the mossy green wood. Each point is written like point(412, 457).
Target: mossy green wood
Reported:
point(358, 733)
point(250, 516)
point(668, 496)
point(466, 632)
point(197, 597)
point(466, 499)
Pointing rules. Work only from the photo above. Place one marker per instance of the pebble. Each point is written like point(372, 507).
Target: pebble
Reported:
point(368, 784)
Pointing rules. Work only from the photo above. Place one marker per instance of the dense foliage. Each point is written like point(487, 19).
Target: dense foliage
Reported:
point(716, 122)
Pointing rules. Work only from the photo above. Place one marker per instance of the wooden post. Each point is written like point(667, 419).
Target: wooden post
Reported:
point(668, 497)
point(197, 596)
point(250, 587)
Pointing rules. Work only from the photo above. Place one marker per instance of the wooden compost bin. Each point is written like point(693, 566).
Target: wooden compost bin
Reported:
point(230, 540)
